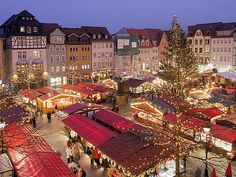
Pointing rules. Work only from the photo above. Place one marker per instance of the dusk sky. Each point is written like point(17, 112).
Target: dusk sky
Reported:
point(115, 14)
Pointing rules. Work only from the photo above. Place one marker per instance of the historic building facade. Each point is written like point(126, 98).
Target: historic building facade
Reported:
point(79, 54)
point(126, 53)
point(25, 44)
point(56, 55)
point(212, 44)
point(102, 52)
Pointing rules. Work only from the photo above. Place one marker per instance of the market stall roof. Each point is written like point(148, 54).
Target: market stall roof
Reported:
point(88, 129)
point(12, 114)
point(93, 87)
point(133, 83)
point(49, 95)
point(44, 90)
point(114, 120)
point(228, 75)
point(30, 154)
point(69, 87)
point(73, 108)
point(162, 103)
point(31, 95)
point(228, 103)
point(214, 99)
point(212, 112)
point(134, 154)
point(145, 107)
point(78, 88)
point(223, 133)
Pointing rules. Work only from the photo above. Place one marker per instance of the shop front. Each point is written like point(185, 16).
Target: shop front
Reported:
point(48, 102)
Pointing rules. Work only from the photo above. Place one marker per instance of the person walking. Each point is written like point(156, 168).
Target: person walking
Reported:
point(76, 151)
point(34, 122)
point(80, 171)
point(97, 156)
point(49, 116)
point(69, 154)
point(83, 173)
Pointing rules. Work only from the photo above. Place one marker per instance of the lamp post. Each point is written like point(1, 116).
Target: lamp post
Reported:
point(206, 130)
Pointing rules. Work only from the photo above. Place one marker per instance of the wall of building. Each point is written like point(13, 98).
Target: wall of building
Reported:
point(222, 54)
point(1, 60)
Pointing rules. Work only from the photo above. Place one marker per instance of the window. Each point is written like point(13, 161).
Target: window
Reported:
point(94, 55)
point(221, 41)
point(103, 54)
point(218, 41)
point(229, 49)
point(51, 58)
point(94, 36)
point(229, 41)
point(57, 68)
point(24, 55)
point(225, 41)
point(221, 49)
point(106, 45)
point(190, 41)
point(57, 48)
point(110, 45)
point(225, 49)
point(82, 49)
point(63, 58)
point(70, 49)
point(58, 58)
point(99, 36)
point(196, 41)
point(229, 58)
point(200, 50)
point(63, 68)
point(106, 36)
point(214, 41)
point(207, 41)
point(62, 48)
point(200, 41)
point(52, 69)
point(57, 38)
point(28, 29)
point(19, 55)
point(213, 49)
point(196, 50)
point(221, 58)
point(35, 29)
point(22, 29)
point(88, 49)
point(217, 49)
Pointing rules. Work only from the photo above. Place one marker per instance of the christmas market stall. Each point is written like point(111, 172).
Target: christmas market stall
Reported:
point(146, 113)
point(132, 156)
point(110, 84)
point(30, 97)
point(137, 85)
point(30, 154)
point(48, 102)
point(220, 136)
point(89, 131)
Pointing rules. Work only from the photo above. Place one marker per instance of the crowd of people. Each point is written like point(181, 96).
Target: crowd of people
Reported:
point(73, 151)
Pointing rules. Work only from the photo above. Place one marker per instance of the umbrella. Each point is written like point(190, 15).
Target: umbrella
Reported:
point(228, 172)
point(213, 173)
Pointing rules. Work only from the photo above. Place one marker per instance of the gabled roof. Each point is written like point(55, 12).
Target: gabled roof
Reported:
point(207, 29)
point(97, 30)
point(77, 31)
point(49, 27)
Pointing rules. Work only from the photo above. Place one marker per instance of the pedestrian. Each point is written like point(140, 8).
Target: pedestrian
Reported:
point(69, 154)
point(83, 173)
point(76, 152)
point(109, 172)
point(73, 167)
point(49, 116)
point(97, 156)
point(91, 155)
point(80, 171)
point(34, 122)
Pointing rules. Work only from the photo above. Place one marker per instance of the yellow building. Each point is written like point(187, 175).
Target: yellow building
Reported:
point(79, 54)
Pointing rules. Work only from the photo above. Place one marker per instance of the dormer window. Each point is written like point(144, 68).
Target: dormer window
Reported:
point(142, 43)
point(35, 29)
point(94, 36)
point(106, 36)
point(23, 18)
point(147, 43)
point(99, 36)
point(27, 18)
point(31, 18)
point(28, 29)
point(22, 29)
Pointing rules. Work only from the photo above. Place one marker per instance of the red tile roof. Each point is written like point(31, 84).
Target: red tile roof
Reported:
point(88, 129)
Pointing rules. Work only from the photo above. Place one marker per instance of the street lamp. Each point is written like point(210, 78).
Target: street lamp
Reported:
point(207, 129)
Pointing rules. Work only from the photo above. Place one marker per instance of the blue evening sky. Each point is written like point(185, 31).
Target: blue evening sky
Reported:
point(115, 14)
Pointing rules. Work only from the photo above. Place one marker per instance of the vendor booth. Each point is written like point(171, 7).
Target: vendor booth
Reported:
point(146, 113)
point(48, 102)
point(137, 85)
